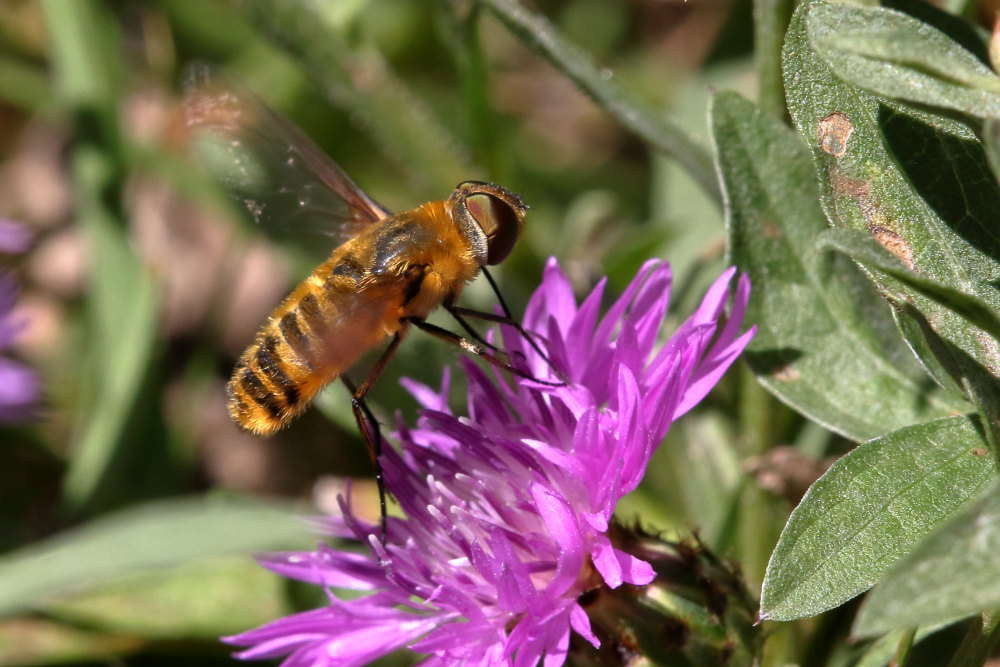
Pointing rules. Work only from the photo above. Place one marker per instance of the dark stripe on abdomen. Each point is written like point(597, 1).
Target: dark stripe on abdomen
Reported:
point(255, 389)
point(311, 313)
point(297, 341)
point(269, 365)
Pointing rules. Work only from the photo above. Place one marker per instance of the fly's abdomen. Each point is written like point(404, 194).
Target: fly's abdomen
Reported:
point(321, 329)
point(281, 372)
point(270, 383)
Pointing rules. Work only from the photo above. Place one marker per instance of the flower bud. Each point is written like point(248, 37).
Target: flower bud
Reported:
point(696, 612)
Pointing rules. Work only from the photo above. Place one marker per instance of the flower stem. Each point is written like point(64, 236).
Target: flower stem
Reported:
point(978, 642)
point(653, 127)
point(756, 528)
point(770, 20)
point(903, 648)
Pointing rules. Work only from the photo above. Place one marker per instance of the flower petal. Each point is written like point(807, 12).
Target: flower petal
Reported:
point(580, 623)
point(345, 633)
point(617, 567)
point(19, 390)
point(326, 567)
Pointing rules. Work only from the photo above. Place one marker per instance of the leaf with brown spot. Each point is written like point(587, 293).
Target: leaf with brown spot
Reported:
point(834, 132)
point(917, 181)
point(826, 343)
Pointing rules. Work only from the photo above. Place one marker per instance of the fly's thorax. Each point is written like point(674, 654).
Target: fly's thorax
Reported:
point(413, 260)
point(489, 216)
point(437, 265)
point(407, 239)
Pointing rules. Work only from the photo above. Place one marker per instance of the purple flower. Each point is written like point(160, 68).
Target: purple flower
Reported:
point(18, 383)
point(14, 237)
point(508, 506)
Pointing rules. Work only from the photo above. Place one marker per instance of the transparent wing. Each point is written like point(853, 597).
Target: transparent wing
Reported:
point(286, 182)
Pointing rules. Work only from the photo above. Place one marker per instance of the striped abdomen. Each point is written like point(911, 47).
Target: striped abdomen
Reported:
point(322, 328)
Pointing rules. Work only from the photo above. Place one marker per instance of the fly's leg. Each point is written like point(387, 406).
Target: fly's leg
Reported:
point(458, 312)
point(368, 425)
point(372, 436)
point(473, 348)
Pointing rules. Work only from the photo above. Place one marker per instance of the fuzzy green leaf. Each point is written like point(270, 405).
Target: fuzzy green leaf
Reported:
point(826, 344)
point(895, 55)
point(918, 183)
point(866, 251)
point(954, 573)
point(991, 142)
point(870, 510)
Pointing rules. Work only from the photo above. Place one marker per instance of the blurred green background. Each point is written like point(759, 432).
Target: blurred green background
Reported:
point(128, 507)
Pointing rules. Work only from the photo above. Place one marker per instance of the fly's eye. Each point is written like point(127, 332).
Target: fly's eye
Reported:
point(498, 220)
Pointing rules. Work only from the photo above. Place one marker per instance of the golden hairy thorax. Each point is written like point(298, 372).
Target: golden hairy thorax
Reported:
point(404, 266)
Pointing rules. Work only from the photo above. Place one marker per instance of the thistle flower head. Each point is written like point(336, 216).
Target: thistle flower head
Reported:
point(508, 502)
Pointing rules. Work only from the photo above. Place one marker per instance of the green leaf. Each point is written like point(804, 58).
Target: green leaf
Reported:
point(123, 301)
point(884, 649)
point(938, 356)
point(991, 143)
point(870, 510)
point(195, 603)
point(867, 251)
point(156, 535)
point(892, 54)
point(826, 344)
point(918, 183)
point(204, 599)
point(123, 316)
point(954, 573)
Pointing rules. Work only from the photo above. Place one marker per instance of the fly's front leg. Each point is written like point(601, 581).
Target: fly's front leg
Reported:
point(508, 319)
point(472, 348)
point(459, 313)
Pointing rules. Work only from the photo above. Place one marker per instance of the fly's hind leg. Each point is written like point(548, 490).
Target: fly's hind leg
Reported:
point(368, 425)
point(371, 434)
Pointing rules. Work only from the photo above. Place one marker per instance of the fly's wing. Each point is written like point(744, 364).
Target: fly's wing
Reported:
point(286, 182)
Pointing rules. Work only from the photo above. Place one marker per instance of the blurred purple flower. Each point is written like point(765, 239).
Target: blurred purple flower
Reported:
point(18, 383)
point(14, 237)
point(508, 507)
